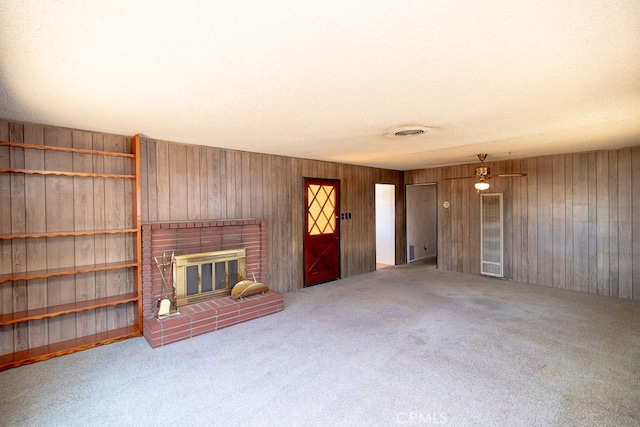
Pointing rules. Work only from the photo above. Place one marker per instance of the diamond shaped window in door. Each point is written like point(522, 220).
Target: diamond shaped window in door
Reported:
point(321, 209)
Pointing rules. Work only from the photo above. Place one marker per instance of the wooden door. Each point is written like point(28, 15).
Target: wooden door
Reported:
point(321, 230)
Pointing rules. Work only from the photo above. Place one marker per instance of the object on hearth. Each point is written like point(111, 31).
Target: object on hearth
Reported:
point(165, 306)
point(246, 288)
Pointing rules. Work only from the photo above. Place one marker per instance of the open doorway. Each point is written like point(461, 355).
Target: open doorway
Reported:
point(385, 225)
point(422, 223)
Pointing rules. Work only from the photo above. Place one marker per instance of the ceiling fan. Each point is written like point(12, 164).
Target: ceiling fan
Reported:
point(483, 173)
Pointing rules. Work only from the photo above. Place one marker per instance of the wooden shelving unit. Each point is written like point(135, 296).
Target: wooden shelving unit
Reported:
point(59, 310)
point(67, 173)
point(61, 348)
point(53, 272)
point(131, 267)
point(65, 234)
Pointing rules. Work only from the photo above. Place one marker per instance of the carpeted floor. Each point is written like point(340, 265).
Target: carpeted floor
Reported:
point(407, 345)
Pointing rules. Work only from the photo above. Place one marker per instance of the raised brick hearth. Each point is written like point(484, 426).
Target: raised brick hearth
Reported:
point(208, 316)
point(195, 237)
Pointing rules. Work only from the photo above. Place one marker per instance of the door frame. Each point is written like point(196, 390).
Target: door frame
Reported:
point(385, 224)
point(436, 223)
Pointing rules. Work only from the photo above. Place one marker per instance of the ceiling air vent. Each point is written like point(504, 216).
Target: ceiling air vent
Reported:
point(413, 130)
point(409, 132)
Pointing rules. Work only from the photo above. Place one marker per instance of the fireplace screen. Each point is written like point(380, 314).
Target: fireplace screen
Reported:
point(203, 276)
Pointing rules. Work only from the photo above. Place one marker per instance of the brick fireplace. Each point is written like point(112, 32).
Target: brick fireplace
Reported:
point(190, 237)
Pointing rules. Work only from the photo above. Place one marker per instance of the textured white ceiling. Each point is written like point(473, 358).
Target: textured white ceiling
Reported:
point(331, 80)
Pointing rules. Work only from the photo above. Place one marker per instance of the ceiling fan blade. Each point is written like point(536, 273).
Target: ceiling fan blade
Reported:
point(460, 177)
point(510, 175)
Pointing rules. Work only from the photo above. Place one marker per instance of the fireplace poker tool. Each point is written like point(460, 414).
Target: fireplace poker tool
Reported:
point(164, 303)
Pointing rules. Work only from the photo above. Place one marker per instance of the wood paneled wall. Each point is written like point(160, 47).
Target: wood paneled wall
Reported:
point(573, 222)
point(38, 204)
point(188, 182)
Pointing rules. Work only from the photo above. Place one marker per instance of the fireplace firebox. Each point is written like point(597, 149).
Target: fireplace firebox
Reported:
point(202, 276)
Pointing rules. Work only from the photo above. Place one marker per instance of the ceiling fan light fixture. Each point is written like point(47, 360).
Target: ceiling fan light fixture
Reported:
point(481, 185)
point(483, 171)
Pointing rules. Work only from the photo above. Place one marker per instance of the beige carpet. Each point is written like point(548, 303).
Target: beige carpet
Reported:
point(408, 345)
